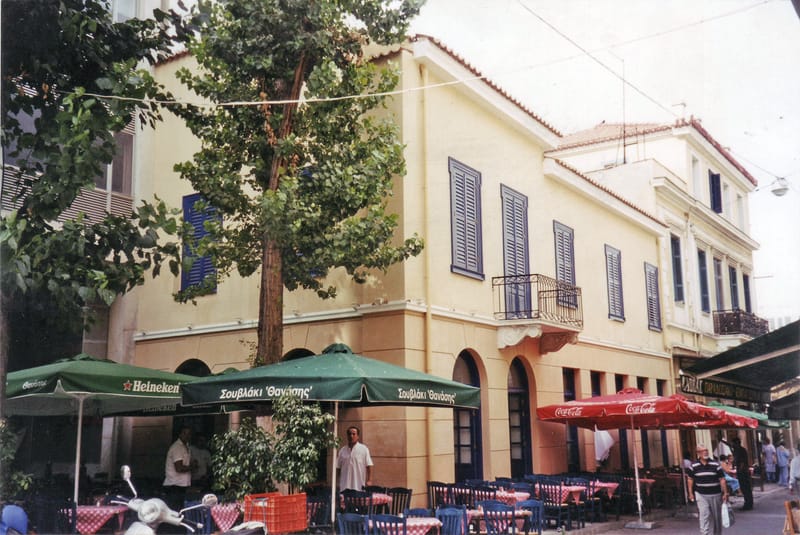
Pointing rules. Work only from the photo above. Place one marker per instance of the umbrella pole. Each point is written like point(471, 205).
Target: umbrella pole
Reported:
point(333, 465)
point(78, 449)
point(636, 472)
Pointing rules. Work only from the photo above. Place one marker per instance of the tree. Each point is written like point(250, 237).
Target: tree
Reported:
point(57, 54)
point(302, 433)
point(301, 189)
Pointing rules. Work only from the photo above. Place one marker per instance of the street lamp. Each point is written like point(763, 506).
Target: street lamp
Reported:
point(779, 187)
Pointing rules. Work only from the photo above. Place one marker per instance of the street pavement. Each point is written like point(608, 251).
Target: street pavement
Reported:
point(766, 518)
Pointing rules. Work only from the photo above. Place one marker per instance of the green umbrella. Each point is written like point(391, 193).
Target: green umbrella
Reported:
point(336, 375)
point(763, 419)
point(86, 385)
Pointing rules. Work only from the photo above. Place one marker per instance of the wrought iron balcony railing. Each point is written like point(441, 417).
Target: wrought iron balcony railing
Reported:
point(537, 297)
point(739, 322)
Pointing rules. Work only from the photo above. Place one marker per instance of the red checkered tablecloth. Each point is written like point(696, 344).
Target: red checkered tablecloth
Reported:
point(608, 486)
point(421, 525)
point(512, 497)
point(91, 518)
point(225, 515)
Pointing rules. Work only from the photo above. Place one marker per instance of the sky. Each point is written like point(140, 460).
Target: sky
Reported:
point(733, 64)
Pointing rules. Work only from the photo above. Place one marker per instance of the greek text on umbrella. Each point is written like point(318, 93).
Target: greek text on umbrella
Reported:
point(413, 394)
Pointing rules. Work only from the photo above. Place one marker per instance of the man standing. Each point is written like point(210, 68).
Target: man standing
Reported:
point(742, 464)
point(201, 458)
point(178, 470)
point(354, 462)
point(770, 458)
point(708, 488)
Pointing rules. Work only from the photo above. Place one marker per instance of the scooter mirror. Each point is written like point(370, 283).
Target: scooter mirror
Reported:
point(125, 472)
point(209, 500)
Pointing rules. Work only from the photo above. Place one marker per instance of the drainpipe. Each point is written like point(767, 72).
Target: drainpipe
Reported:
point(430, 424)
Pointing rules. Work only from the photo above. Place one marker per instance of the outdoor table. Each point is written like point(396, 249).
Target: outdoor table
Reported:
point(475, 517)
point(378, 498)
point(572, 492)
point(511, 497)
point(91, 518)
point(225, 515)
point(608, 486)
point(648, 484)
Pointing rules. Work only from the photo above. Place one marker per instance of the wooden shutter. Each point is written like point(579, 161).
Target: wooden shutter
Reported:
point(715, 192)
point(515, 252)
point(677, 268)
point(733, 278)
point(748, 305)
point(616, 308)
point(705, 298)
point(466, 233)
point(202, 265)
point(653, 302)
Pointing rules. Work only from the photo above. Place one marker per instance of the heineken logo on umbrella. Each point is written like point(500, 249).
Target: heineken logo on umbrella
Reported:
point(151, 387)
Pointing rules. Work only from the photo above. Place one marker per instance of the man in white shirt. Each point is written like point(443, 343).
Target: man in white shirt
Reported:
point(178, 470)
point(201, 458)
point(354, 463)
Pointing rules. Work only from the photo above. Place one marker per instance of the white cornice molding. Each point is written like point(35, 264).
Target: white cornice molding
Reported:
point(622, 347)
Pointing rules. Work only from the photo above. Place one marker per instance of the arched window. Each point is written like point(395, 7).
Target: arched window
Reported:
point(467, 425)
point(519, 420)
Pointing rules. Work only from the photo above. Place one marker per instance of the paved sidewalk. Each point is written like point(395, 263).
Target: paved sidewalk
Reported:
point(766, 518)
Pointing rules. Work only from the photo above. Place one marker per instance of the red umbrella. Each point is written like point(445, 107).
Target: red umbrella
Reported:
point(632, 408)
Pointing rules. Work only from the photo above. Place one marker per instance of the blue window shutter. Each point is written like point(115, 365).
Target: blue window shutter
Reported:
point(715, 191)
point(653, 301)
point(705, 298)
point(616, 308)
point(196, 217)
point(748, 304)
point(465, 205)
point(515, 252)
point(565, 253)
point(677, 268)
point(734, 284)
point(718, 283)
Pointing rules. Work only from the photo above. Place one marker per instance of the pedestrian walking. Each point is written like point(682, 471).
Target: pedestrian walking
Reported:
point(770, 458)
point(708, 489)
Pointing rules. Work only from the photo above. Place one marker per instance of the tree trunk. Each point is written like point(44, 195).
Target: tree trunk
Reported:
point(270, 306)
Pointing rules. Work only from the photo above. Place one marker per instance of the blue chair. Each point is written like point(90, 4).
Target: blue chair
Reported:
point(417, 512)
point(438, 494)
point(352, 524)
point(401, 498)
point(200, 516)
point(14, 520)
point(536, 520)
point(555, 508)
point(454, 520)
point(499, 518)
point(53, 515)
point(388, 525)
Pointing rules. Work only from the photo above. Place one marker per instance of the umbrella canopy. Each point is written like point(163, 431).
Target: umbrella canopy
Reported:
point(86, 385)
point(336, 375)
point(762, 419)
point(630, 408)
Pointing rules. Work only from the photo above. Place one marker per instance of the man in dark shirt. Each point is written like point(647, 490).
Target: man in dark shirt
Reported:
point(742, 464)
point(708, 488)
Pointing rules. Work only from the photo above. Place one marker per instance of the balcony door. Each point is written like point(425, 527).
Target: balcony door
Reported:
point(467, 425)
point(519, 420)
point(515, 253)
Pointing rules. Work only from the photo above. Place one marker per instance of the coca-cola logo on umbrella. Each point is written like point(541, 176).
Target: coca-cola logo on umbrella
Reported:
point(570, 412)
point(640, 408)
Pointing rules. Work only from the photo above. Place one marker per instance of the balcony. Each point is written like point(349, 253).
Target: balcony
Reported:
point(537, 306)
point(739, 322)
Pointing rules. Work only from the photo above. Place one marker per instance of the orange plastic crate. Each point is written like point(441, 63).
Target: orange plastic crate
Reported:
point(280, 513)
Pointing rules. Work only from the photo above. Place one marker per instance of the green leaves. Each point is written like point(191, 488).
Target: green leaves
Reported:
point(240, 461)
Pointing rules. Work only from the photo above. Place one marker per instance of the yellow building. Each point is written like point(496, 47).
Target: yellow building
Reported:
point(537, 283)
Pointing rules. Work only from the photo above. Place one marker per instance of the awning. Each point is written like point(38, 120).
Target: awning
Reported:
point(763, 419)
point(763, 363)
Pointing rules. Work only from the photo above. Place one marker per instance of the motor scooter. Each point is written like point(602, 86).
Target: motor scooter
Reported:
point(154, 511)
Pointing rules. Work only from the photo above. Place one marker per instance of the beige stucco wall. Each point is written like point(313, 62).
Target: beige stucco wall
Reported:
point(421, 315)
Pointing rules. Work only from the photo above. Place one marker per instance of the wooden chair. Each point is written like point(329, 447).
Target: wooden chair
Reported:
point(499, 518)
point(388, 525)
point(438, 494)
point(480, 494)
point(357, 501)
point(555, 508)
point(318, 512)
point(53, 515)
point(401, 498)
point(536, 520)
point(792, 523)
point(454, 520)
point(418, 512)
point(199, 515)
point(352, 524)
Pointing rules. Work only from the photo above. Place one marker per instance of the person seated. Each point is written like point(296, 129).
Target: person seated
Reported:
point(730, 473)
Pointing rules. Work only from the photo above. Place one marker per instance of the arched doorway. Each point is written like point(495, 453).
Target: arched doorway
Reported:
point(519, 420)
point(467, 424)
point(201, 424)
